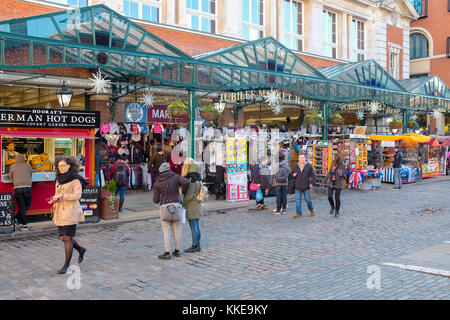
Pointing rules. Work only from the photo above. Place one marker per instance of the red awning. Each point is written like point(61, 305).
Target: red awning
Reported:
point(47, 133)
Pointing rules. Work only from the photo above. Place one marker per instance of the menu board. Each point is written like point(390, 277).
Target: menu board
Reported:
point(6, 212)
point(22, 145)
point(237, 189)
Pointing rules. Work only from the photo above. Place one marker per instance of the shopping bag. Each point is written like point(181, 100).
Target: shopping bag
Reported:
point(259, 195)
point(183, 215)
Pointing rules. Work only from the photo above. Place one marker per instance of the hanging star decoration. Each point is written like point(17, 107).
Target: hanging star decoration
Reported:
point(413, 117)
point(148, 98)
point(360, 115)
point(437, 114)
point(272, 98)
point(277, 109)
point(374, 107)
point(99, 83)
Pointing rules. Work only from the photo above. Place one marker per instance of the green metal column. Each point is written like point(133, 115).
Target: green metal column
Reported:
point(192, 107)
point(405, 120)
point(325, 112)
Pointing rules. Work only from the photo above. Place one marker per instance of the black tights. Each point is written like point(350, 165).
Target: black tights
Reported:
point(70, 243)
point(337, 196)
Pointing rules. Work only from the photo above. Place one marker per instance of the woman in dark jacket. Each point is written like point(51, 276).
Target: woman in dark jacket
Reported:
point(335, 183)
point(166, 190)
point(261, 177)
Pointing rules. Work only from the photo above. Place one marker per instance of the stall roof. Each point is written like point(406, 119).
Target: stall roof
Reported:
point(262, 54)
point(409, 137)
point(368, 73)
point(431, 86)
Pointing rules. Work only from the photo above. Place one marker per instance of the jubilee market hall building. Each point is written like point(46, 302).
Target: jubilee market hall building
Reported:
point(51, 58)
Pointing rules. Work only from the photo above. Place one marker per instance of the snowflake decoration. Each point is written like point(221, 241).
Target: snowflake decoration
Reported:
point(272, 98)
point(413, 117)
point(360, 115)
point(148, 98)
point(374, 107)
point(99, 83)
point(277, 109)
point(437, 114)
point(74, 21)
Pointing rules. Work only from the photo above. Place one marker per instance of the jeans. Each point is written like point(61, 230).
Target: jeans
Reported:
point(122, 191)
point(23, 198)
point(281, 192)
point(298, 200)
point(195, 230)
point(398, 177)
point(337, 197)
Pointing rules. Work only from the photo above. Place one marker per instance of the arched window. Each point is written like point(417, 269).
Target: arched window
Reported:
point(418, 46)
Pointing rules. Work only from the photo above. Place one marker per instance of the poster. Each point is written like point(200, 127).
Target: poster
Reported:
point(430, 170)
point(90, 203)
point(237, 189)
point(6, 212)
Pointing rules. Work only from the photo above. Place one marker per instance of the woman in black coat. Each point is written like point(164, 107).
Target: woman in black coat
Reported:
point(261, 177)
point(335, 183)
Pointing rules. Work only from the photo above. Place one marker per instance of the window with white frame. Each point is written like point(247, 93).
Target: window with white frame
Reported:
point(147, 10)
point(293, 24)
point(201, 15)
point(72, 3)
point(252, 19)
point(329, 34)
point(394, 62)
point(358, 46)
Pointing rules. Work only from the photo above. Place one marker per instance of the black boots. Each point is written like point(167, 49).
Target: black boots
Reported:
point(336, 214)
point(332, 210)
point(176, 253)
point(193, 249)
point(121, 204)
point(81, 256)
point(165, 256)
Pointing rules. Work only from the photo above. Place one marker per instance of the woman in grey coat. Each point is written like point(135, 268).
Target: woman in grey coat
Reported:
point(335, 183)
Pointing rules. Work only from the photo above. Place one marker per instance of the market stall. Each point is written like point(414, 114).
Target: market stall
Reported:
point(411, 145)
point(43, 135)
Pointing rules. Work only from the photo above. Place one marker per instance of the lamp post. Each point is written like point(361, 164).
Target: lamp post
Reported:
point(64, 96)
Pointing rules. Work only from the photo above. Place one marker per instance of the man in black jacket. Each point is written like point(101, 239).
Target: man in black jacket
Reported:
point(398, 158)
point(305, 177)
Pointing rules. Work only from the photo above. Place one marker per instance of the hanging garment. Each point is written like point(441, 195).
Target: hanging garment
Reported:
point(122, 128)
point(114, 128)
point(143, 128)
point(149, 181)
point(135, 129)
point(158, 128)
point(112, 139)
point(104, 128)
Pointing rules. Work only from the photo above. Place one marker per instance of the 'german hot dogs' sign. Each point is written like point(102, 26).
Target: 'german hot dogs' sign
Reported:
point(49, 118)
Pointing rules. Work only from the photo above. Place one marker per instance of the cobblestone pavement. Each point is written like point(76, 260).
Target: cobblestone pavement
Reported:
point(249, 254)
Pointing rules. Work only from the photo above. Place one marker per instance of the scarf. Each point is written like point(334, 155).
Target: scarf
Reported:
point(69, 177)
point(194, 176)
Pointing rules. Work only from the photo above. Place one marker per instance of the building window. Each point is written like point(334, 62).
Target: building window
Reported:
point(418, 46)
point(252, 19)
point(201, 15)
point(421, 7)
point(329, 34)
point(147, 10)
point(358, 40)
point(394, 62)
point(72, 3)
point(293, 24)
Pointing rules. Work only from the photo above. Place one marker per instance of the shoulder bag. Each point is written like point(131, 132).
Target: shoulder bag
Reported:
point(170, 211)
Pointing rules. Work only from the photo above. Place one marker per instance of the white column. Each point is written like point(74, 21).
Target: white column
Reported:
point(379, 34)
point(343, 34)
point(181, 19)
point(271, 17)
point(405, 53)
point(169, 12)
point(314, 27)
point(229, 18)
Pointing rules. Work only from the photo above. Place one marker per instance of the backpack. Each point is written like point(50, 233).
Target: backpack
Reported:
point(202, 194)
point(121, 176)
point(282, 175)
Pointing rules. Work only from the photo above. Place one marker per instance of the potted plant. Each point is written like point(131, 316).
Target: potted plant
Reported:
point(177, 109)
point(395, 124)
point(413, 125)
point(109, 202)
point(209, 113)
point(336, 118)
point(312, 118)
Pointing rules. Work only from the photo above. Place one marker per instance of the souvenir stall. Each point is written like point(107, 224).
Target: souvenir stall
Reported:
point(43, 135)
point(442, 143)
point(412, 148)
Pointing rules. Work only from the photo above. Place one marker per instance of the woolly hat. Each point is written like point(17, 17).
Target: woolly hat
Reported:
point(164, 167)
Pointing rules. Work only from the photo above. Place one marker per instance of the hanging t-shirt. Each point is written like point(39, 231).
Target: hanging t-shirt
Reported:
point(144, 128)
point(135, 128)
point(128, 127)
point(158, 128)
point(104, 128)
point(114, 128)
point(112, 139)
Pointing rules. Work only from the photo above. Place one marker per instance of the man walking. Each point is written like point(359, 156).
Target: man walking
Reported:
point(398, 158)
point(21, 175)
point(305, 177)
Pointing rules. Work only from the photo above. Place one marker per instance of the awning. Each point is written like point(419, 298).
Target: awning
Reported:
point(47, 133)
point(407, 137)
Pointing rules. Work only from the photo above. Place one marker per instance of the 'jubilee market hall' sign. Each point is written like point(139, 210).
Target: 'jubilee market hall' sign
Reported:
point(232, 97)
point(49, 118)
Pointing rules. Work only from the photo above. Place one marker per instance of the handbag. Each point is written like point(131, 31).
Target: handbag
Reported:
point(170, 211)
point(253, 186)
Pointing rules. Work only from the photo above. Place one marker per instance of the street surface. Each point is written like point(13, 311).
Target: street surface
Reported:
point(366, 253)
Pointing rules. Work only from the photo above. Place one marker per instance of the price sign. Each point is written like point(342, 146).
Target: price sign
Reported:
point(6, 212)
point(90, 203)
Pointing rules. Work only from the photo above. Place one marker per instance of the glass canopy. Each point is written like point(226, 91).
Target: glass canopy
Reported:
point(431, 86)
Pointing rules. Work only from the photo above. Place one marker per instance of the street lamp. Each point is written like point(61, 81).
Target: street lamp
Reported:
point(64, 96)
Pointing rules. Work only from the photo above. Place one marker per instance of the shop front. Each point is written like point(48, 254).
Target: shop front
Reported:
point(43, 136)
